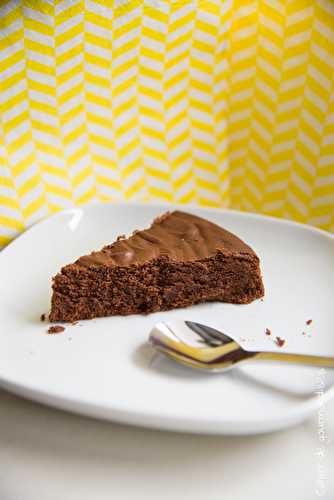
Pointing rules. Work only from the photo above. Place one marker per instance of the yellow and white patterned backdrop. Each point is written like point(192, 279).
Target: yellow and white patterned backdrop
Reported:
point(224, 103)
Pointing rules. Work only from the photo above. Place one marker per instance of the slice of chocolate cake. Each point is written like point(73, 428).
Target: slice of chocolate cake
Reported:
point(179, 261)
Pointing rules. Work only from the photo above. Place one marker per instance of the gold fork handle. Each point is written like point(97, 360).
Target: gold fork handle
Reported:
point(303, 359)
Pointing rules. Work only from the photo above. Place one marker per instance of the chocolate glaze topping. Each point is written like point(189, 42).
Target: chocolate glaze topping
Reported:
point(177, 235)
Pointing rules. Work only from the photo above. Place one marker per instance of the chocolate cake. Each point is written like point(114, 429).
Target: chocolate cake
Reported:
point(180, 260)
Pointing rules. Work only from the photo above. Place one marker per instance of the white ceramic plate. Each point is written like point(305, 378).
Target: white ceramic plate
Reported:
point(104, 368)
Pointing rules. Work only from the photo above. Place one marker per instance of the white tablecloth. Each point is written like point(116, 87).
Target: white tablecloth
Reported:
point(47, 454)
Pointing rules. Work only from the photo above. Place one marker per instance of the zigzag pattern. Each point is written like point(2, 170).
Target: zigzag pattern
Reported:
point(218, 103)
point(176, 102)
point(98, 52)
point(154, 24)
point(69, 43)
point(321, 211)
point(10, 216)
point(240, 73)
point(289, 109)
point(125, 113)
point(202, 116)
point(304, 154)
point(39, 34)
point(16, 124)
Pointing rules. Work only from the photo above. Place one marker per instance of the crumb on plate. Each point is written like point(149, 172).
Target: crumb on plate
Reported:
point(280, 342)
point(56, 329)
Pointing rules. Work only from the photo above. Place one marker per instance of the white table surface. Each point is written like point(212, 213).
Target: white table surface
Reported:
point(47, 454)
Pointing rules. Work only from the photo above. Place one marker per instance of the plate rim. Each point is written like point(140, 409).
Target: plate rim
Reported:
point(153, 420)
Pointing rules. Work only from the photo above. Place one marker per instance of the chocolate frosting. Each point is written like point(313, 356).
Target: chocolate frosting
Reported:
point(178, 236)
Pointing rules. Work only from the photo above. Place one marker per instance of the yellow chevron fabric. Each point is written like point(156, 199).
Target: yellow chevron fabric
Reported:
point(215, 102)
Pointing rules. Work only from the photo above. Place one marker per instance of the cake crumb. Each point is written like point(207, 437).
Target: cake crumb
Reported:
point(42, 318)
point(56, 329)
point(303, 333)
point(280, 342)
point(74, 323)
point(268, 332)
point(309, 321)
